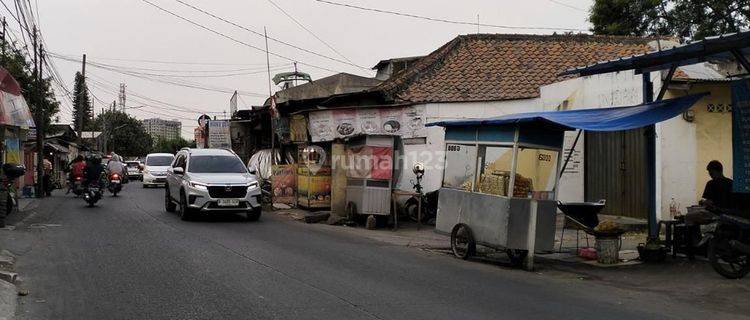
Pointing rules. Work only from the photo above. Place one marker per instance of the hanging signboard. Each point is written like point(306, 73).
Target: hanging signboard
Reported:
point(281, 126)
point(741, 135)
point(218, 134)
point(233, 105)
point(298, 128)
point(328, 125)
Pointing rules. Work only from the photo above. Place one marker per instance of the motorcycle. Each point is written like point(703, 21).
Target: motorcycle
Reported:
point(93, 193)
point(729, 246)
point(77, 186)
point(429, 200)
point(115, 184)
point(12, 172)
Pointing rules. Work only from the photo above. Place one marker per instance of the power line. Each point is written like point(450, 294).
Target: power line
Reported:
point(309, 31)
point(176, 82)
point(111, 87)
point(568, 5)
point(270, 38)
point(409, 15)
point(233, 39)
point(98, 60)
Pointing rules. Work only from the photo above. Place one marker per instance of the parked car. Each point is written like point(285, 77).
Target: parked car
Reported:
point(134, 170)
point(210, 181)
point(155, 169)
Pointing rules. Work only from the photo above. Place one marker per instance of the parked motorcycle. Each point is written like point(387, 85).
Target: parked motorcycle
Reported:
point(93, 193)
point(12, 172)
point(429, 200)
point(114, 184)
point(729, 246)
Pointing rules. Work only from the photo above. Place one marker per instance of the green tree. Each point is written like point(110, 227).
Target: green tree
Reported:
point(171, 146)
point(81, 105)
point(22, 70)
point(123, 134)
point(623, 17)
point(687, 19)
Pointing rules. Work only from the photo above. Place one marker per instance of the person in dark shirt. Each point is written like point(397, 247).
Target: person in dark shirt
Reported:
point(93, 171)
point(718, 191)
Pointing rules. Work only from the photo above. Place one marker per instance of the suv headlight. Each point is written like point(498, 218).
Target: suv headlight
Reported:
point(199, 186)
point(252, 185)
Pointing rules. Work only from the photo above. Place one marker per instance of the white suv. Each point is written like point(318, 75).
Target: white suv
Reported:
point(211, 180)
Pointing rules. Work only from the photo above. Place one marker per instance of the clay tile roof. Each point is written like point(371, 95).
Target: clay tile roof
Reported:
point(485, 67)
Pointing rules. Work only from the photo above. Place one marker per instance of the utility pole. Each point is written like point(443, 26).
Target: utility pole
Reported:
point(80, 102)
point(38, 120)
point(273, 104)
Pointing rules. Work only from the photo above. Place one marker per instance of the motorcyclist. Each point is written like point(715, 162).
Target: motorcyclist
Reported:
point(92, 173)
point(76, 170)
point(115, 165)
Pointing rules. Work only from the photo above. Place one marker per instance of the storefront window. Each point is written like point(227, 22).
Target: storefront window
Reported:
point(495, 170)
point(536, 173)
point(460, 166)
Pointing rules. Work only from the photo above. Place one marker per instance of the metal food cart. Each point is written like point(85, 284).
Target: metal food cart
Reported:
point(494, 177)
point(502, 174)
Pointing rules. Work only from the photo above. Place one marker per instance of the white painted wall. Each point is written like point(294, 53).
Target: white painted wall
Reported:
point(432, 153)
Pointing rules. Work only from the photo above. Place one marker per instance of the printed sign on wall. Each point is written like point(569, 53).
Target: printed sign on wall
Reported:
point(341, 123)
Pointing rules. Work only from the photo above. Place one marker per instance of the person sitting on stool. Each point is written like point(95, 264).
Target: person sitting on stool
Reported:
point(718, 191)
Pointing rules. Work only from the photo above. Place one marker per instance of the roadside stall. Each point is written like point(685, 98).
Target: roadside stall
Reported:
point(501, 174)
point(369, 175)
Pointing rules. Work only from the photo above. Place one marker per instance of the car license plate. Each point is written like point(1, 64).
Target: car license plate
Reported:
point(115, 181)
point(229, 202)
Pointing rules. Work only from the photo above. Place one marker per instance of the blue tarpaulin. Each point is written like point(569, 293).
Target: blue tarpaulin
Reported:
point(604, 119)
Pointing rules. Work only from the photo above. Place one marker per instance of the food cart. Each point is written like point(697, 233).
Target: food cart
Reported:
point(369, 164)
point(501, 174)
point(492, 176)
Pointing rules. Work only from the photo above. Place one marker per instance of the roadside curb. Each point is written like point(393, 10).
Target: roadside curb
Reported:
point(8, 300)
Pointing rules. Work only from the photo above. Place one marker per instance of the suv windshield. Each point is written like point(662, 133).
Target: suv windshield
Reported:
point(159, 161)
point(216, 164)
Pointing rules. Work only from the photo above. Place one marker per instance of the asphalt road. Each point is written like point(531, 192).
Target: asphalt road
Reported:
point(129, 259)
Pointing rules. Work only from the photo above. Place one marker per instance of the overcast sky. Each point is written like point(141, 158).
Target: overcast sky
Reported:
point(113, 32)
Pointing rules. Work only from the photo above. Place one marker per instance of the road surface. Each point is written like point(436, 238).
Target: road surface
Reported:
point(129, 259)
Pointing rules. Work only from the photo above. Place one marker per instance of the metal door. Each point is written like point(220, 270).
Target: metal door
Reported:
point(615, 170)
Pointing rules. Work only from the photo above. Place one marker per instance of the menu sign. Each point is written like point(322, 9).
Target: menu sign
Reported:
point(741, 135)
point(218, 134)
point(341, 123)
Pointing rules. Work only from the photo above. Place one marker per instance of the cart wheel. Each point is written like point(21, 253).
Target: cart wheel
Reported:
point(463, 244)
point(351, 211)
point(516, 256)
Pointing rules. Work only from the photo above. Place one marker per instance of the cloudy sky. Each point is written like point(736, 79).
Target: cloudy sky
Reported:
point(176, 69)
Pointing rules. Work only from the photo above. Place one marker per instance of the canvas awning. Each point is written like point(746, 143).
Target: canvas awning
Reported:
point(13, 108)
point(602, 119)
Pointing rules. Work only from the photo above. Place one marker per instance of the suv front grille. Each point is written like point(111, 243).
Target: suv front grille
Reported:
point(227, 191)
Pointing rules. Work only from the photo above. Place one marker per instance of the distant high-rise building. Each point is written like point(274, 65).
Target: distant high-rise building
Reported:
point(162, 129)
